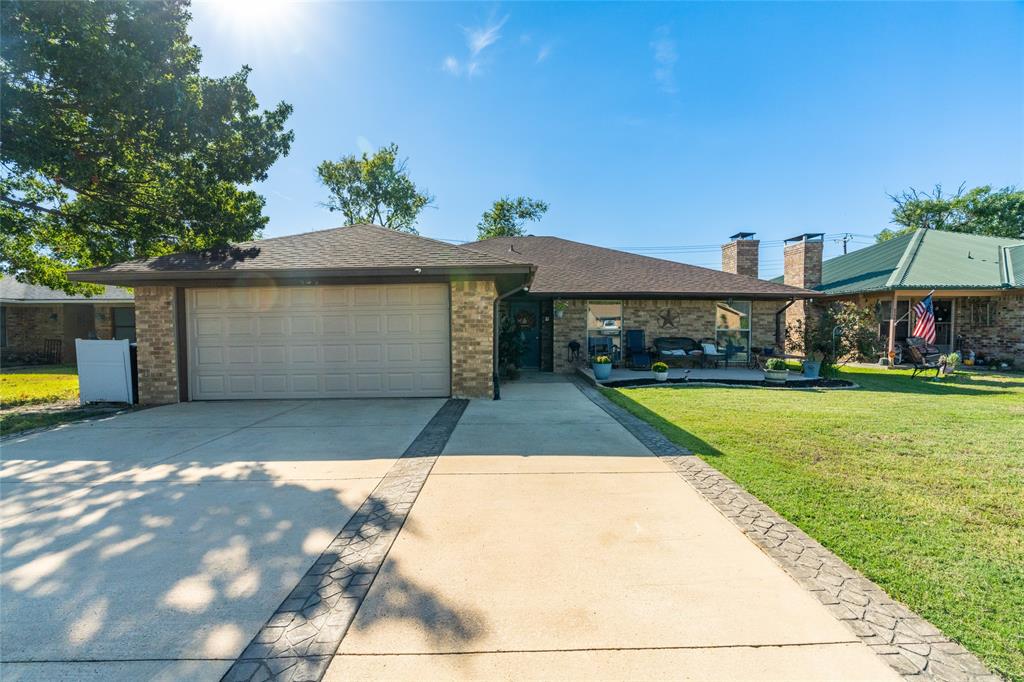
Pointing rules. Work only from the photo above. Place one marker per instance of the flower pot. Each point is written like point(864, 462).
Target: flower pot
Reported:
point(812, 369)
point(776, 376)
point(559, 314)
point(602, 371)
point(661, 376)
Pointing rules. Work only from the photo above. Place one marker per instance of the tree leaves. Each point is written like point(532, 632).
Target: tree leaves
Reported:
point(980, 210)
point(507, 217)
point(374, 189)
point(114, 145)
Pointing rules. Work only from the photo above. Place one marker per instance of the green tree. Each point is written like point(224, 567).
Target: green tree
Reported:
point(374, 189)
point(981, 210)
point(507, 217)
point(113, 144)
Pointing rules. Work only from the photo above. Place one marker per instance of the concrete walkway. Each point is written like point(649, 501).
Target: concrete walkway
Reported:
point(597, 562)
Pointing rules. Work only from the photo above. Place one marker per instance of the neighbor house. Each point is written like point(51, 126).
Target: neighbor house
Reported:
point(39, 324)
point(365, 311)
point(978, 283)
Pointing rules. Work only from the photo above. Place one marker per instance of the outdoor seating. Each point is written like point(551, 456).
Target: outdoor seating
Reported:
point(573, 352)
point(923, 356)
point(712, 354)
point(638, 355)
point(676, 350)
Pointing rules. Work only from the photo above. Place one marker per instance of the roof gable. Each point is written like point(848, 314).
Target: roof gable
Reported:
point(572, 268)
point(13, 291)
point(349, 250)
point(927, 259)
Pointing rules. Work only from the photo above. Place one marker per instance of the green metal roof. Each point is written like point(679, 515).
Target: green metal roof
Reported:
point(927, 259)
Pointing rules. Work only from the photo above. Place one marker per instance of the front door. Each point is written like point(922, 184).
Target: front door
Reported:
point(526, 315)
point(943, 323)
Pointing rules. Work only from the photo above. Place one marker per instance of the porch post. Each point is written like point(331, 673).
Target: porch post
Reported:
point(891, 354)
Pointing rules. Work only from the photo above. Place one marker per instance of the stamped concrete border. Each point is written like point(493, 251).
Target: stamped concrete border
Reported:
point(297, 643)
point(911, 645)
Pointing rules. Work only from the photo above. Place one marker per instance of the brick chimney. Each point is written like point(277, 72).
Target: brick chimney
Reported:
point(802, 260)
point(739, 256)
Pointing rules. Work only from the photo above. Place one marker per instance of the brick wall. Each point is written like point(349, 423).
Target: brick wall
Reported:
point(690, 317)
point(472, 338)
point(802, 268)
point(103, 319)
point(156, 331)
point(1003, 337)
point(29, 325)
point(740, 257)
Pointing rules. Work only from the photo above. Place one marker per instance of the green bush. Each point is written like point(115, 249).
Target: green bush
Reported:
point(659, 367)
point(775, 364)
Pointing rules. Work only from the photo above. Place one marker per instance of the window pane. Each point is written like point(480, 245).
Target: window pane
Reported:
point(732, 329)
point(732, 315)
point(124, 323)
point(604, 328)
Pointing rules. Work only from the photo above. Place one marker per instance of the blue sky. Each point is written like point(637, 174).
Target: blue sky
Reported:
point(642, 125)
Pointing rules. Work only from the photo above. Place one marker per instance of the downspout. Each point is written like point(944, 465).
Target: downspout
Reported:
point(494, 359)
point(779, 338)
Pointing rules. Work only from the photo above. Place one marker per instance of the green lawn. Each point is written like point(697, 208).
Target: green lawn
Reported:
point(917, 483)
point(36, 385)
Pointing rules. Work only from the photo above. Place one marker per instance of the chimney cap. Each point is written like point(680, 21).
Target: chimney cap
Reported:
point(742, 235)
point(807, 237)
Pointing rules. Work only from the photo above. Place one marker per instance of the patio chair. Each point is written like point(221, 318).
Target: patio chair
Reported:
point(52, 351)
point(712, 353)
point(573, 352)
point(638, 355)
point(921, 361)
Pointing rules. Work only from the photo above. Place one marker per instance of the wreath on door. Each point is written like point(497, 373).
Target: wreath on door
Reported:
point(525, 319)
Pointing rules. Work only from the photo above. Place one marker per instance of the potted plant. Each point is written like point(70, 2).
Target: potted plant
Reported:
point(560, 306)
point(775, 371)
point(660, 370)
point(950, 362)
point(602, 366)
point(812, 365)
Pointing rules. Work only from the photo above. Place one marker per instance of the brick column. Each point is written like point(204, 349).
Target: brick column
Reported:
point(802, 268)
point(740, 257)
point(156, 331)
point(472, 339)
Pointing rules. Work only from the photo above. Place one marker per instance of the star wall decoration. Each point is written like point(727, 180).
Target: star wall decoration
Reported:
point(668, 318)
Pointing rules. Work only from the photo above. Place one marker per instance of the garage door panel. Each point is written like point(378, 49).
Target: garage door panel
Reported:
point(329, 341)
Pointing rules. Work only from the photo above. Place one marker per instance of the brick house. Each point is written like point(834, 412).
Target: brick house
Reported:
point(978, 283)
point(362, 311)
point(41, 324)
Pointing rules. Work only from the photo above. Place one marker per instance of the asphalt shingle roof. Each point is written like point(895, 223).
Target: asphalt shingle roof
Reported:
point(13, 291)
point(342, 249)
point(568, 267)
point(927, 259)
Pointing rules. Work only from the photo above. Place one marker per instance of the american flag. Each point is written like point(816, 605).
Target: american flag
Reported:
point(924, 327)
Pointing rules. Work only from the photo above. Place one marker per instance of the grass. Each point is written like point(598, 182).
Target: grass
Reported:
point(919, 484)
point(38, 385)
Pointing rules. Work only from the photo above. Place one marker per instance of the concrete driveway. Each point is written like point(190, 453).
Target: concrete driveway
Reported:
point(157, 543)
point(546, 542)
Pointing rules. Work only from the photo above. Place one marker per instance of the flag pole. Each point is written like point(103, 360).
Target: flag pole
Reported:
point(892, 332)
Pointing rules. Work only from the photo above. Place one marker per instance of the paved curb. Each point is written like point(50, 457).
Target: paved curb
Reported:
point(297, 643)
point(911, 645)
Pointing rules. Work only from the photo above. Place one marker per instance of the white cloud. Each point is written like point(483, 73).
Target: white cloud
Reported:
point(663, 48)
point(480, 38)
point(543, 53)
point(451, 65)
point(364, 145)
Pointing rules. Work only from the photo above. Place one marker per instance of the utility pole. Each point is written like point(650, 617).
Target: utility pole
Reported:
point(845, 239)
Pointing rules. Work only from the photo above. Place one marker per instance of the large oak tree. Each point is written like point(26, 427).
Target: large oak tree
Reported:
point(114, 145)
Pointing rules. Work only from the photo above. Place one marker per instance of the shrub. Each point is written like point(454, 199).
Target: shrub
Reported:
point(857, 335)
point(602, 360)
point(775, 364)
point(659, 367)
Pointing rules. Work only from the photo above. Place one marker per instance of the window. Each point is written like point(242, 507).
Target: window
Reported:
point(902, 320)
point(604, 328)
point(732, 328)
point(124, 323)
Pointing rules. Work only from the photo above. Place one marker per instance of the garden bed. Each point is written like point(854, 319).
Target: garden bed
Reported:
point(791, 383)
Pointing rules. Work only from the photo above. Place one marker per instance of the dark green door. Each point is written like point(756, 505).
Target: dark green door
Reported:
point(526, 315)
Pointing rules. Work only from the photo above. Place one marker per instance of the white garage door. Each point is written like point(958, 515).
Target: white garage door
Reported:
point(319, 341)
